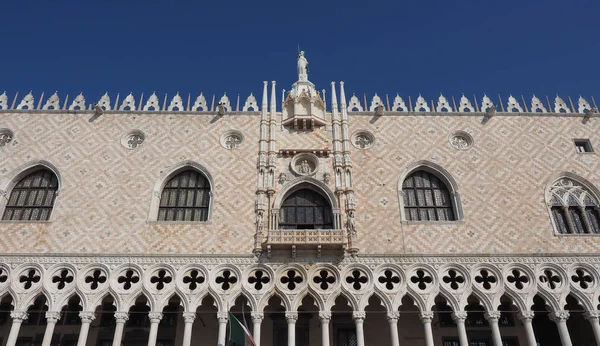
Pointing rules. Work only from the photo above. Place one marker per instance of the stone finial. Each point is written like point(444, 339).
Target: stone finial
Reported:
point(375, 102)
point(399, 104)
point(200, 104)
point(176, 104)
point(560, 104)
point(465, 105)
point(537, 105)
point(128, 102)
point(224, 102)
point(354, 104)
point(250, 103)
point(421, 105)
point(78, 103)
point(443, 105)
point(582, 105)
point(3, 101)
point(513, 104)
point(52, 102)
point(486, 103)
point(104, 102)
point(27, 102)
point(152, 102)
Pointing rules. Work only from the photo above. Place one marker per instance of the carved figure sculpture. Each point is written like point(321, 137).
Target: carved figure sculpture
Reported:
point(302, 65)
point(350, 224)
point(304, 167)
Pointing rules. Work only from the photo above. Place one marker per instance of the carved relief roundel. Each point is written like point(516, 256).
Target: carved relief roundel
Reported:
point(304, 164)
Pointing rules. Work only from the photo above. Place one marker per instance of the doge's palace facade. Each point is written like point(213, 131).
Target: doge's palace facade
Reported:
point(326, 222)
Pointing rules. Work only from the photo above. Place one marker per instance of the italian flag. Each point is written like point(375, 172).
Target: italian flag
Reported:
point(239, 335)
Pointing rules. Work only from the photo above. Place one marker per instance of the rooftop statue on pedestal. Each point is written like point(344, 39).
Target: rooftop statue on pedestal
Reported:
point(302, 67)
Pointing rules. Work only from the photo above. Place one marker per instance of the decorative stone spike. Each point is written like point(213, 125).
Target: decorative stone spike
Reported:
point(52, 102)
point(465, 104)
point(26, 102)
point(421, 105)
point(399, 104)
point(224, 101)
point(104, 102)
point(560, 104)
point(354, 104)
point(78, 103)
point(375, 102)
point(514, 104)
point(128, 102)
point(486, 103)
point(250, 103)
point(200, 104)
point(582, 105)
point(443, 105)
point(3, 101)
point(176, 102)
point(537, 105)
point(152, 102)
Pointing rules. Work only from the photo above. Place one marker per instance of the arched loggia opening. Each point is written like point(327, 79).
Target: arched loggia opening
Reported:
point(377, 328)
point(580, 329)
point(546, 332)
point(410, 327)
point(6, 306)
point(344, 328)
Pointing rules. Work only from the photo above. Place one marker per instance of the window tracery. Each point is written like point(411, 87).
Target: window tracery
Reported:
point(574, 208)
point(33, 197)
point(426, 198)
point(305, 209)
point(185, 197)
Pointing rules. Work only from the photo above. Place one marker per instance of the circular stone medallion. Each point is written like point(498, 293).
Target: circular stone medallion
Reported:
point(304, 164)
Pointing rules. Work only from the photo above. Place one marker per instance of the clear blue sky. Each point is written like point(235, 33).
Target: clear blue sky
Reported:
point(410, 47)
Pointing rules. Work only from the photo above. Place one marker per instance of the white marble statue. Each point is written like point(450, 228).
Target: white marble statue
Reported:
point(302, 66)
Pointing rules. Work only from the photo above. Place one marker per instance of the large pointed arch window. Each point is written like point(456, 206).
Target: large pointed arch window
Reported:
point(574, 208)
point(32, 198)
point(426, 198)
point(185, 197)
point(305, 209)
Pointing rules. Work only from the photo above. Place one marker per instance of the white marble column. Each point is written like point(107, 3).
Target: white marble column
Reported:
point(222, 317)
point(86, 319)
point(291, 317)
point(359, 319)
point(560, 317)
point(51, 318)
point(120, 319)
point(426, 318)
point(257, 318)
point(155, 318)
point(325, 318)
point(188, 320)
point(392, 317)
point(593, 317)
point(459, 318)
point(492, 317)
point(526, 317)
point(18, 317)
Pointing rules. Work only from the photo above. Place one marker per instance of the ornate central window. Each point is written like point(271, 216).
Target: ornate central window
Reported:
point(426, 198)
point(305, 209)
point(573, 207)
point(32, 198)
point(185, 197)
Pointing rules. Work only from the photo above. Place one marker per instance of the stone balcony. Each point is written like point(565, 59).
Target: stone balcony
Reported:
point(305, 239)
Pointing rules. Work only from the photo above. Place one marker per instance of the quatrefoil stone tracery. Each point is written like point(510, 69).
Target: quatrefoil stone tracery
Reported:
point(324, 279)
point(550, 279)
point(486, 279)
point(454, 279)
point(62, 279)
point(421, 278)
point(32, 277)
point(390, 279)
point(226, 280)
point(129, 279)
point(582, 278)
point(259, 279)
point(357, 279)
point(291, 279)
point(518, 279)
point(193, 279)
point(161, 279)
point(95, 279)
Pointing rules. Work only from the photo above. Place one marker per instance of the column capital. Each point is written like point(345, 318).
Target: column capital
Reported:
point(492, 316)
point(526, 315)
point(189, 317)
point(121, 316)
point(223, 316)
point(325, 316)
point(426, 316)
point(19, 315)
point(359, 316)
point(87, 316)
point(52, 316)
point(291, 316)
point(155, 316)
point(392, 316)
point(592, 315)
point(459, 316)
point(257, 316)
point(559, 316)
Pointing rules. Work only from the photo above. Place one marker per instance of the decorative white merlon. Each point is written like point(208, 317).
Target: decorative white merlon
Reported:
point(513, 104)
point(104, 102)
point(224, 101)
point(537, 105)
point(200, 104)
point(582, 105)
point(250, 103)
point(443, 105)
point(399, 104)
point(486, 103)
point(421, 105)
point(560, 104)
point(3, 101)
point(176, 102)
point(26, 102)
point(52, 102)
point(128, 102)
point(354, 104)
point(152, 102)
point(78, 103)
point(465, 104)
point(375, 102)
